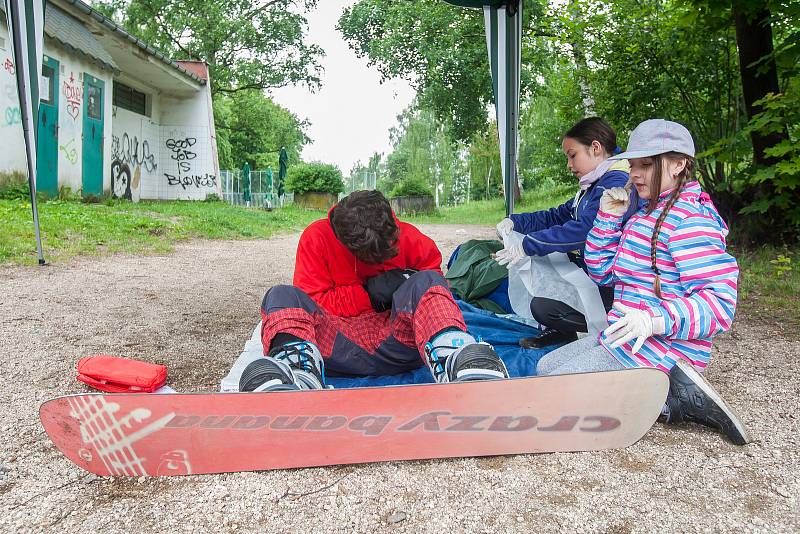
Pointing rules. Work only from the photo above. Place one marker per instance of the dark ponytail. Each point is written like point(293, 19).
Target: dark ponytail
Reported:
point(594, 129)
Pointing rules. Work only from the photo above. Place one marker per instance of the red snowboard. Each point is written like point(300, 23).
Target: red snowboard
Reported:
point(180, 434)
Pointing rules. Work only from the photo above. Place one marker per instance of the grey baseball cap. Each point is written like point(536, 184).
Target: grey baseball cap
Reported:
point(657, 136)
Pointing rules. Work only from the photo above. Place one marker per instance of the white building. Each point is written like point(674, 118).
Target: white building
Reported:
point(116, 116)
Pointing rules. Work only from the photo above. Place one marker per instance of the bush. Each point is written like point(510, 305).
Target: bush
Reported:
point(15, 191)
point(91, 198)
point(411, 187)
point(765, 198)
point(66, 193)
point(317, 177)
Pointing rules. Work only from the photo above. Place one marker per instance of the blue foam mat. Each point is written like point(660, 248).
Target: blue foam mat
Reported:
point(503, 334)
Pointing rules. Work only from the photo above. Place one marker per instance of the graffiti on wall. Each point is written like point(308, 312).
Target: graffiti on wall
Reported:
point(121, 179)
point(70, 151)
point(197, 180)
point(129, 156)
point(73, 93)
point(181, 151)
point(130, 150)
point(9, 66)
point(12, 116)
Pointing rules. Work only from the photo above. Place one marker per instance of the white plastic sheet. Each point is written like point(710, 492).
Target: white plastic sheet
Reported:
point(252, 351)
point(554, 277)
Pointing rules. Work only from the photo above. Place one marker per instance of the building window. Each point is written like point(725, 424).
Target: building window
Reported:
point(129, 98)
point(46, 87)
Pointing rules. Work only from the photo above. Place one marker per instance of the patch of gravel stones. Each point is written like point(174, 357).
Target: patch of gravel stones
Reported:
point(193, 309)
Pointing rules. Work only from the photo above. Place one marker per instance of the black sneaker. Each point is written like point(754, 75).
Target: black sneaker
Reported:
point(267, 374)
point(691, 399)
point(296, 365)
point(305, 361)
point(476, 361)
point(547, 338)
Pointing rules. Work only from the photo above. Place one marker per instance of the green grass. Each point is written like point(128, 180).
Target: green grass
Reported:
point(490, 212)
point(769, 285)
point(71, 228)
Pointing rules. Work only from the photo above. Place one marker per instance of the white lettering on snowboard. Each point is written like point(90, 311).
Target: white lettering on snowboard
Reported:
point(113, 435)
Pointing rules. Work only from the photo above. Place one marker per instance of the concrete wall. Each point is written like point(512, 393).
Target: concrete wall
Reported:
point(135, 149)
point(12, 159)
point(170, 154)
point(70, 114)
point(190, 168)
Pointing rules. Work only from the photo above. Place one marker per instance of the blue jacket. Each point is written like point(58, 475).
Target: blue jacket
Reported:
point(564, 228)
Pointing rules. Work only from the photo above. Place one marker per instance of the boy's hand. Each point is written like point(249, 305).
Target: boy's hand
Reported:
point(381, 288)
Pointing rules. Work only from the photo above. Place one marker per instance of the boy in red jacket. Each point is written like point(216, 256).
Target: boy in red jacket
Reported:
point(368, 298)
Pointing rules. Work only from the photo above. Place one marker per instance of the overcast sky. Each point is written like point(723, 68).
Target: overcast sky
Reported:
point(352, 113)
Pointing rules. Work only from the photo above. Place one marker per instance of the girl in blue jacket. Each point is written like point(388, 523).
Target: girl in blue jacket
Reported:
point(587, 145)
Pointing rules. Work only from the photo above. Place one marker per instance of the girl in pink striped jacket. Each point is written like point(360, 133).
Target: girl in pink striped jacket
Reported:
point(674, 283)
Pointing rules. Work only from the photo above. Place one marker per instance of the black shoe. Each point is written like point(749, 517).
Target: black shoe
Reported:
point(547, 338)
point(476, 361)
point(305, 361)
point(267, 374)
point(692, 399)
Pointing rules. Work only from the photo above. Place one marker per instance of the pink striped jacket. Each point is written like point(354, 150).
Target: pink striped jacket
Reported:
point(698, 277)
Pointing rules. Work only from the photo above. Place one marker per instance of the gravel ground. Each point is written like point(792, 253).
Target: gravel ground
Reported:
point(193, 310)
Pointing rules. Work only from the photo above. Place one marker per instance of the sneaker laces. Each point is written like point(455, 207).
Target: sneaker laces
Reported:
point(435, 363)
point(298, 355)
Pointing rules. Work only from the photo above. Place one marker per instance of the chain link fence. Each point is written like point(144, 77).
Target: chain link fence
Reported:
point(359, 181)
point(259, 190)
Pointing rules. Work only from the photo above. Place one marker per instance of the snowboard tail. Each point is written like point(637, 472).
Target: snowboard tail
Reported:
point(180, 434)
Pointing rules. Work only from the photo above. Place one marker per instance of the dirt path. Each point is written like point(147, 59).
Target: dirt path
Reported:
point(193, 309)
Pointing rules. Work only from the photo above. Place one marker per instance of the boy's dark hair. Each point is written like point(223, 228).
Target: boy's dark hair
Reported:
point(363, 221)
point(594, 129)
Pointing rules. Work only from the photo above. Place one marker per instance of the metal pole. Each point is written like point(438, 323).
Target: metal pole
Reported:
point(26, 108)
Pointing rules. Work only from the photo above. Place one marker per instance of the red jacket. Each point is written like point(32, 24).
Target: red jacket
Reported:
point(332, 276)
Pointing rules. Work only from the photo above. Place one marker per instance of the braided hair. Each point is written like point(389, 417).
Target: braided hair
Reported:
point(683, 177)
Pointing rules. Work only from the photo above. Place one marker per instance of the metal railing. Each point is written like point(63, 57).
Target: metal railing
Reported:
point(260, 190)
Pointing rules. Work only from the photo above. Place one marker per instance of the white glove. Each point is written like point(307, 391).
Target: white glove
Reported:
point(510, 256)
point(615, 201)
point(634, 323)
point(504, 227)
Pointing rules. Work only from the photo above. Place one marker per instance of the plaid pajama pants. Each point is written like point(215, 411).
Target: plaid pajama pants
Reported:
point(373, 343)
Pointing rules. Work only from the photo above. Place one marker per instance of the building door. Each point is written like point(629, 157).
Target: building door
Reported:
point(47, 133)
point(93, 96)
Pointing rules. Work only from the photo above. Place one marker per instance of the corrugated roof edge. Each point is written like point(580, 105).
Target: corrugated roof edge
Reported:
point(110, 24)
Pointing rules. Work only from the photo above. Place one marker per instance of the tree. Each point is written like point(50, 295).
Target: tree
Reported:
point(251, 127)
point(483, 164)
point(441, 50)
point(423, 152)
point(767, 192)
point(248, 44)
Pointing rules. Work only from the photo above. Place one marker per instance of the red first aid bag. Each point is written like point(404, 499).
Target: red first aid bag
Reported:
point(121, 375)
